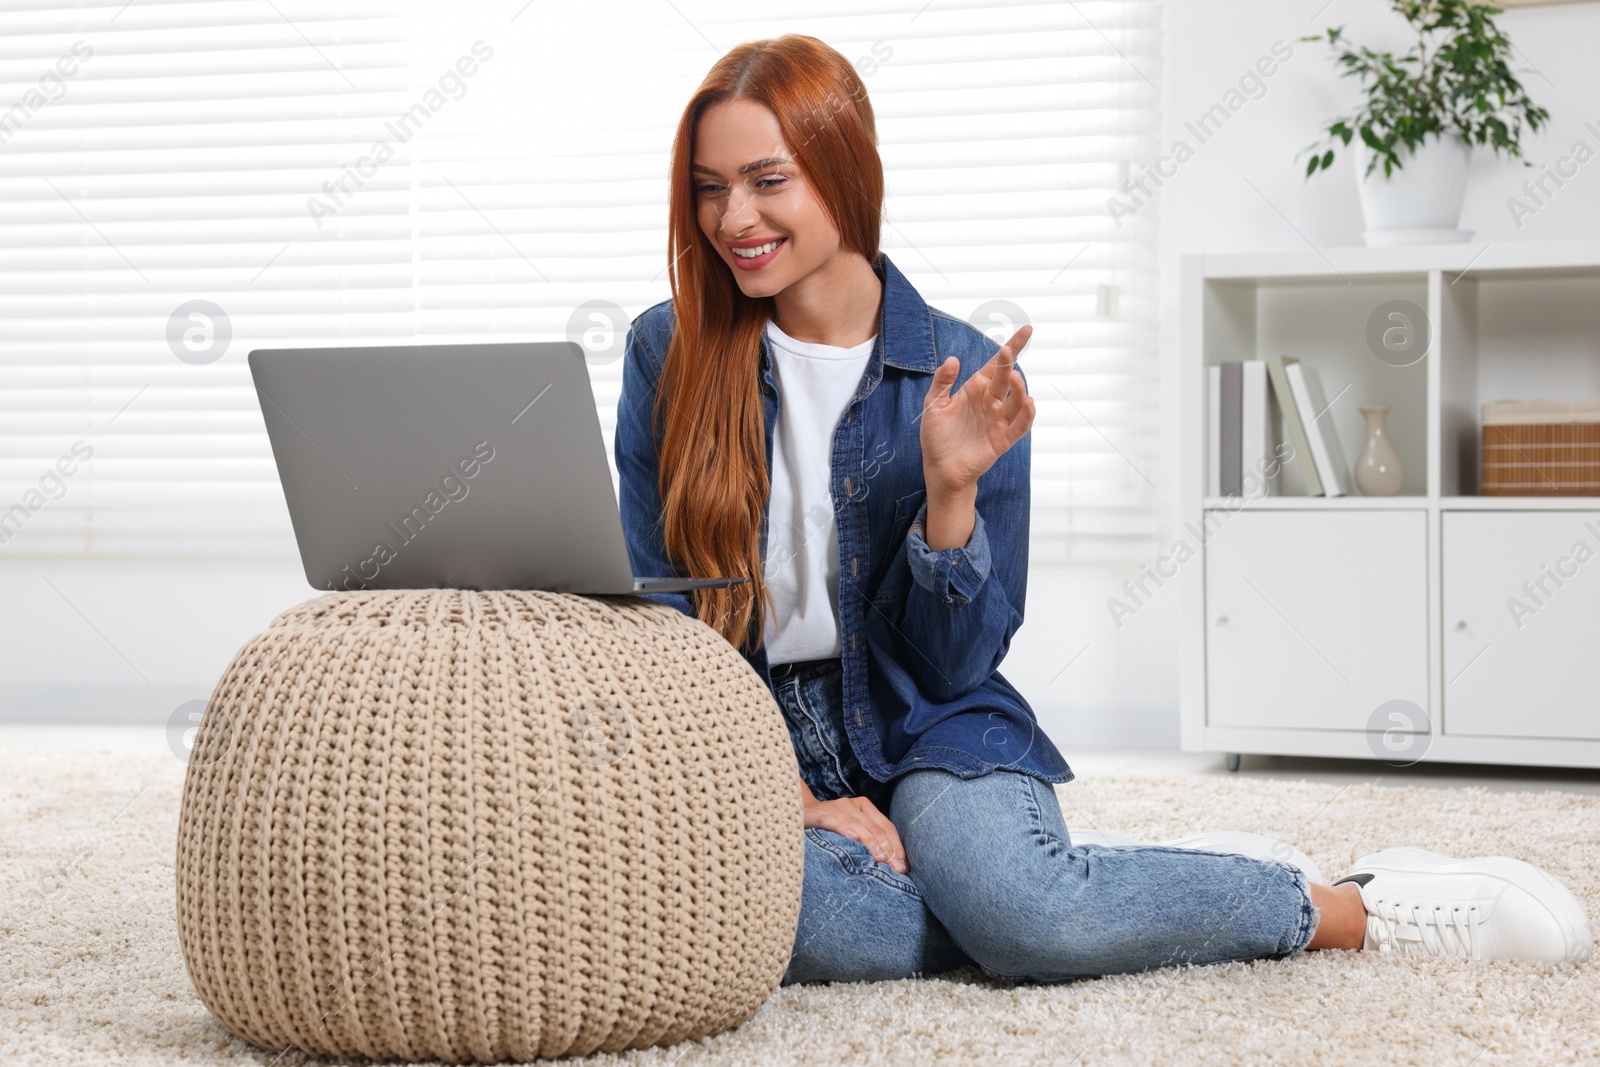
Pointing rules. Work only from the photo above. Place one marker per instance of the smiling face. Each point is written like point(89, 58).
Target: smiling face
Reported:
point(749, 192)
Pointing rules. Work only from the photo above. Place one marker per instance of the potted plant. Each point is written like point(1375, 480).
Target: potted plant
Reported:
point(1423, 112)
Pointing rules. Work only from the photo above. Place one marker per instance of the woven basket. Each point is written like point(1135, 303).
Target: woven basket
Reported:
point(485, 826)
point(1541, 459)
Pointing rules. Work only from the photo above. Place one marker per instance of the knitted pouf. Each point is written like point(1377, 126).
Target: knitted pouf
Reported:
point(434, 824)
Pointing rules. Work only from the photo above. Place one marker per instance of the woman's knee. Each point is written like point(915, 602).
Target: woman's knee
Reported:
point(860, 920)
point(994, 867)
point(1011, 937)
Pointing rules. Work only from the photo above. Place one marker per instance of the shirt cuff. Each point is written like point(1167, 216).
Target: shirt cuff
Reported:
point(954, 575)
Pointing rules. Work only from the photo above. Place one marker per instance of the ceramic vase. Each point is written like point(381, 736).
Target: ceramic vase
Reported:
point(1379, 471)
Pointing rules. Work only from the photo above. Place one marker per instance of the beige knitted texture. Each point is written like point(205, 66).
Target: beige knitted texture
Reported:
point(434, 824)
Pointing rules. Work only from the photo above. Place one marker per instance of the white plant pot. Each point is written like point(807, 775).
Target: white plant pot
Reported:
point(1420, 203)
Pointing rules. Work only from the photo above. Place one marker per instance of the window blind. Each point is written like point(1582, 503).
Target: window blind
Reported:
point(171, 163)
point(382, 173)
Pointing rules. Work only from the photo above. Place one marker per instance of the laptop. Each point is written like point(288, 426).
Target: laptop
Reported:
point(477, 466)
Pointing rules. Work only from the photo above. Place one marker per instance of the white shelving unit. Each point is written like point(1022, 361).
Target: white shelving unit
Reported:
point(1388, 628)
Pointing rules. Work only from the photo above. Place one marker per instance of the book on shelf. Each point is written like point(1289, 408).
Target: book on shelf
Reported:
point(1326, 453)
point(1241, 458)
point(1258, 447)
point(1294, 428)
point(1232, 427)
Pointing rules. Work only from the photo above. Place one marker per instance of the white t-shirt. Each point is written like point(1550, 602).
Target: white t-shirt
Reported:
point(815, 383)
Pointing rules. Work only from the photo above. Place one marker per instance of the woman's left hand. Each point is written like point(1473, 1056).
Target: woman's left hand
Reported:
point(965, 432)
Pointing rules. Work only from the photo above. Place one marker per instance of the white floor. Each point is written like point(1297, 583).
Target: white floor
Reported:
point(1151, 761)
point(1085, 760)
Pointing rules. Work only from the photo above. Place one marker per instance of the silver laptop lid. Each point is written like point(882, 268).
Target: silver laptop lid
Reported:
point(478, 466)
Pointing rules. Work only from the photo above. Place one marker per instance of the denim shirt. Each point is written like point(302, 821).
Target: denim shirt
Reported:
point(922, 632)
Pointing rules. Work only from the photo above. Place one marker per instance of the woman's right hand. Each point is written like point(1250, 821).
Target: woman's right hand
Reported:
point(858, 818)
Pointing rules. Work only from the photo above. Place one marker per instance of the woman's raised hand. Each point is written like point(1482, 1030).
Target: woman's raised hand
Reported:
point(859, 818)
point(965, 432)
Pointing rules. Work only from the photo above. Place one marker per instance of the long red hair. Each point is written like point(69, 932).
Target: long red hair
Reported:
point(713, 465)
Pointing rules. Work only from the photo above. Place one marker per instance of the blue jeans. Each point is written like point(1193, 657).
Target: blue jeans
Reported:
point(995, 880)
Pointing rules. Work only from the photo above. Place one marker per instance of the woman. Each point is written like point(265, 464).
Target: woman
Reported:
point(792, 416)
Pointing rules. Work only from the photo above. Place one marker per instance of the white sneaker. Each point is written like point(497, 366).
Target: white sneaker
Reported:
point(1492, 907)
point(1238, 842)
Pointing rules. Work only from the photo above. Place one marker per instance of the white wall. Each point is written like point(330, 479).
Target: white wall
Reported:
point(106, 640)
point(1244, 186)
point(1124, 688)
point(110, 641)
point(102, 639)
point(1210, 206)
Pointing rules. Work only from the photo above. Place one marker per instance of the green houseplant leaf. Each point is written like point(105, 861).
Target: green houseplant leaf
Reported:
point(1456, 80)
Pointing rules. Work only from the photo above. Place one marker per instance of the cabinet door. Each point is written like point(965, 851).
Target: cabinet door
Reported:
point(1521, 623)
point(1315, 619)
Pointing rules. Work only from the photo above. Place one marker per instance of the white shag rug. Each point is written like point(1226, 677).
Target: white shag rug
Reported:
point(90, 970)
